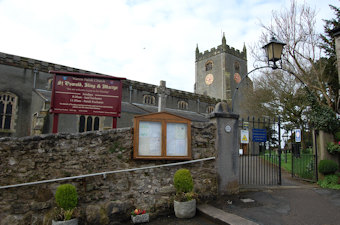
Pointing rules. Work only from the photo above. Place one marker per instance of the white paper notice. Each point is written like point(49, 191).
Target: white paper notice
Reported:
point(150, 135)
point(177, 140)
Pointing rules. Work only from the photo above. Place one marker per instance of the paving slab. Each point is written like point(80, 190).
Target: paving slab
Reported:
point(223, 217)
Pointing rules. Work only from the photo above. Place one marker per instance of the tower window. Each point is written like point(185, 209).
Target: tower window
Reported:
point(208, 65)
point(237, 66)
point(182, 105)
point(8, 107)
point(88, 123)
point(149, 99)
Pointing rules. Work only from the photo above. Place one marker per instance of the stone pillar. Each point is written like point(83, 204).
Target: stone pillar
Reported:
point(162, 92)
point(227, 145)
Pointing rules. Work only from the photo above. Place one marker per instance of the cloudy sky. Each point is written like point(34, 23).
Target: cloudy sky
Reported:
point(142, 40)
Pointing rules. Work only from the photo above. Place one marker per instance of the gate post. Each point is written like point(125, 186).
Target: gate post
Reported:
point(227, 146)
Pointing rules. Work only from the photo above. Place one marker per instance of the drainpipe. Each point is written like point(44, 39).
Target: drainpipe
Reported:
point(35, 72)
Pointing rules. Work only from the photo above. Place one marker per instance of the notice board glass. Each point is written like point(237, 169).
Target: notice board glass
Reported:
point(176, 139)
point(150, 135)
point(162, 136)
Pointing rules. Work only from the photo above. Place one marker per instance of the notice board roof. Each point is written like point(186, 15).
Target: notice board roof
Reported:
point(102, 76)
point(162, 115)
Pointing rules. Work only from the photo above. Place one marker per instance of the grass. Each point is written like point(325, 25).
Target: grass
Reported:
point(303, 166)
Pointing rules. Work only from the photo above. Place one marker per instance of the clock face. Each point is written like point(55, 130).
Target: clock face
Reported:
point(237, 78)
point(209, 79)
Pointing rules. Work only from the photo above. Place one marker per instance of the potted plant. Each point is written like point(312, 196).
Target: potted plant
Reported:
point(66, 198)
point(185, 199)
point(139, 216)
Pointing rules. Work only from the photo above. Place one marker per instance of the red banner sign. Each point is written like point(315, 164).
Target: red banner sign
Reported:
point(86, 95)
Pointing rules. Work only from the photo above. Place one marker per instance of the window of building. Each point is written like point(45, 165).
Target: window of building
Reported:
point(208, 65)
point(8, 107)
point(49, 84)
point(88, 123)
point(237, 66)
point(182, 105)
point(210, 109)
point(149, 99)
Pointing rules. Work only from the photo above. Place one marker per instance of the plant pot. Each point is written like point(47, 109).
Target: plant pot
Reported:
point(140, 218)
point(185, 210)
point(67, 222)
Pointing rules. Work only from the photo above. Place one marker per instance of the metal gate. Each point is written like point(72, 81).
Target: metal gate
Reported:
point(261, 157)
point(304, 166)
point(260, 153)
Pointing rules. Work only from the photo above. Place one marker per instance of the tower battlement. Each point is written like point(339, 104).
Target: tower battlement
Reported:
point(223, 48)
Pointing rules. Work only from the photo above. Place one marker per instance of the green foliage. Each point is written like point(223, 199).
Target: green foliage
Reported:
point(330, 181)
point(68, 214)
point(183, 181)
point(337, 136)
point(184, 197)
point(327, 166)
point(66, 196)
point(333, 148)
point(322, 117)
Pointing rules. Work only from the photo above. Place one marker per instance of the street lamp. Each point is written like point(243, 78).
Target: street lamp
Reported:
point(274, 51)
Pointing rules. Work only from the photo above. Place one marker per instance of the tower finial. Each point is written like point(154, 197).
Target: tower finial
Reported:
point(197, 51)
point(224, 42)
point(244, 50)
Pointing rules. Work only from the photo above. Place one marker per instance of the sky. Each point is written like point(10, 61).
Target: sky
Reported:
point(141, 40)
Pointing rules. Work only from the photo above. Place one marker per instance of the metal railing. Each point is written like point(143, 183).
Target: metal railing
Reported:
point(105, 173)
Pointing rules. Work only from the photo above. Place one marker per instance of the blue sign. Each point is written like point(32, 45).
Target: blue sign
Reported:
point(297, 135)
point(259, 135)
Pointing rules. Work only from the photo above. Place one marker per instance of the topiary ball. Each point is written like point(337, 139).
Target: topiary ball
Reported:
point(183, 181)
point(66, 196)
point(327, 166)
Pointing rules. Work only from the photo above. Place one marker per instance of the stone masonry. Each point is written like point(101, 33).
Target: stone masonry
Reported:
point(102, 200)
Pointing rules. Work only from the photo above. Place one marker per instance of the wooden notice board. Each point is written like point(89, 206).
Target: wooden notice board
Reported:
point(162, 136)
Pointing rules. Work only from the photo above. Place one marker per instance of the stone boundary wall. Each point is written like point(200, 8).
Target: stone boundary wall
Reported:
point(102, 200)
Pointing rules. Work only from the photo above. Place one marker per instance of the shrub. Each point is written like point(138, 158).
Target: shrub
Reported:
point(183, 181)
point(66, 196)
point(333, 148)
point(337, 136)
point(327, 167)
point(330, 181)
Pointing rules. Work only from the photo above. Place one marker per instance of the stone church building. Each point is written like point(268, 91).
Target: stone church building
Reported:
point(26, 88)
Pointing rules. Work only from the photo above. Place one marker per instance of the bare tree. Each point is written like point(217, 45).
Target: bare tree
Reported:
point(301, 57)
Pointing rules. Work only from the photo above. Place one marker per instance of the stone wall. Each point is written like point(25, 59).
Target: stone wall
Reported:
point(102, 200)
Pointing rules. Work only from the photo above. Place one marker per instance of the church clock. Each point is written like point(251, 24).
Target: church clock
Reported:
point(209, 79)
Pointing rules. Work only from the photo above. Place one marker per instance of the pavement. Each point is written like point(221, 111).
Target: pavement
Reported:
point(293, 203)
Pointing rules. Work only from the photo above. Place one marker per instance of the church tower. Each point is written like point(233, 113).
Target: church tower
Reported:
point(219, 71)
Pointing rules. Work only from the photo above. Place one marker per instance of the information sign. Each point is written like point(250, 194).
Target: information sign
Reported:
point(259, 135)
point(86, 94)
point(162, 136)
point(244, 136)
point(297, 135)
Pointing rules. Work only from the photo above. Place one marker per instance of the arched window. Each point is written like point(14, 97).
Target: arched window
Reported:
point(149, 99)
point(8, 108)
point(88, 123)
point(210, 109)
point(208, 65)
point(182, 105)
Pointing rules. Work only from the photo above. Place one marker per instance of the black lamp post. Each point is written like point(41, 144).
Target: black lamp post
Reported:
point(274, 51)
